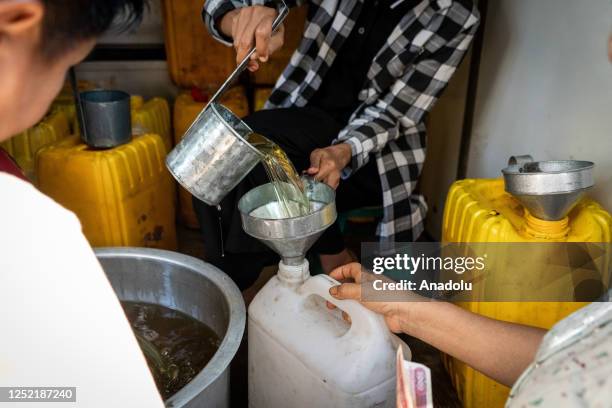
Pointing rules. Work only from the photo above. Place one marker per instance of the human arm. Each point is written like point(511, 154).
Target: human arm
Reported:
point(327, 163)
point(499, 349)
point(245, 24)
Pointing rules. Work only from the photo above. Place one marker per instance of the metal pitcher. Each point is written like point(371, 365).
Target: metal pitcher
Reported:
point(106, 118)
point(214, 156)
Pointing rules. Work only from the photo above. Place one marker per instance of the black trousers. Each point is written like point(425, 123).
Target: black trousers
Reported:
point(298, 131)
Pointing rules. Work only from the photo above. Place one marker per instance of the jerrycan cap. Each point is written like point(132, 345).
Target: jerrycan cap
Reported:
point(548, 189)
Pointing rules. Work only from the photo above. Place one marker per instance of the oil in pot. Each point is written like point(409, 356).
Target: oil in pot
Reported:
point(176, 346)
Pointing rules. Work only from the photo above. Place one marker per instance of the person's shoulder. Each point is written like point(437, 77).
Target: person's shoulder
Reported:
point(21, 202)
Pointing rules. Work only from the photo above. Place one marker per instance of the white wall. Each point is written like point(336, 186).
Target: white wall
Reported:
point(545, 87)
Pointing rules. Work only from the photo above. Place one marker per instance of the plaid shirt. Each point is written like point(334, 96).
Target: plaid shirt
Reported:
point(404, 81)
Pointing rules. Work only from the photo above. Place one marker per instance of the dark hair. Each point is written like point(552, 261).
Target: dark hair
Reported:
point(66, 22)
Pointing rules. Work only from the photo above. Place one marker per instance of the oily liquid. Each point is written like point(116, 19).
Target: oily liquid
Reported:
point(175, 345)
point(288, 187)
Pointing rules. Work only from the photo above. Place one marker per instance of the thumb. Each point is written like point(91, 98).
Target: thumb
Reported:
point(346, 291)
point(315, 161)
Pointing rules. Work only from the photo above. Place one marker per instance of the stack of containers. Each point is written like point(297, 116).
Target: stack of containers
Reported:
point(24, 146)
point(153, 116)
point(123, 196)
point(481, 211)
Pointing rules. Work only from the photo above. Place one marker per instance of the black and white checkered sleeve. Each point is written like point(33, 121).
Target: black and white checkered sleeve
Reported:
point(215, 9)
point(435, 55)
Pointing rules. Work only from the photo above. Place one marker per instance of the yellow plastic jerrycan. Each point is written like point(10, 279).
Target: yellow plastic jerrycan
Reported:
point(153, 116)
point(123, 196)
point(260, 97)
point(24, 146)
point(481, 211)
point(187, 106)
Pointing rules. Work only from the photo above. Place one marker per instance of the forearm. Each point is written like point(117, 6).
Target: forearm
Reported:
point(500, 350)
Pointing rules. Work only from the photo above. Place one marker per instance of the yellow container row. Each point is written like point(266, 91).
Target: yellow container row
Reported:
point(123, 196)
point(24, 146)
point(480, 211)
point(152, 116)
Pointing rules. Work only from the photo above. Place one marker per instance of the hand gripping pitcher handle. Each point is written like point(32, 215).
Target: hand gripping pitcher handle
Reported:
point(364, 322)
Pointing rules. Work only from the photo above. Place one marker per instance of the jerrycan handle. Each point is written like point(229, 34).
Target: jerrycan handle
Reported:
point(520, 160)
point(364, 322)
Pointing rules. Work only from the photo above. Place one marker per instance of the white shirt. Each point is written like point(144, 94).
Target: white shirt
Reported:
point(60, 321)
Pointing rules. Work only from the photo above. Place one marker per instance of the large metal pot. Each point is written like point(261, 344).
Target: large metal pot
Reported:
point(193, 287)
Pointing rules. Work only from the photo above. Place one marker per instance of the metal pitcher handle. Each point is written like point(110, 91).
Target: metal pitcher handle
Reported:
point(520, 160)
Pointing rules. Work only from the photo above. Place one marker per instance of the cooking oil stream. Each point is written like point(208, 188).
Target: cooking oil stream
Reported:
point(288, 187)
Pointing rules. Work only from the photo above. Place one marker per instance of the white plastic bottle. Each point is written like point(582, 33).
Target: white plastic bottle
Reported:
point(302, 355)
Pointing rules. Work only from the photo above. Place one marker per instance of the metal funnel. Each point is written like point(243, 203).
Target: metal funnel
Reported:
point(548, 189)
point(289, 237)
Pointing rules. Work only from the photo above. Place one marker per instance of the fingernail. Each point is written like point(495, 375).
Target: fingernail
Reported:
point(263, 59)
point(333, 290)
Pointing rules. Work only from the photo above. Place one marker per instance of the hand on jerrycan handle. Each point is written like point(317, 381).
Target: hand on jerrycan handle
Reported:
point(364, 322)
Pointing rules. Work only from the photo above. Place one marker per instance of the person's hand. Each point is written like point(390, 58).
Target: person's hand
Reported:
point(396, 314)
point(500, 350)
point(250, 26)
point(326, 164)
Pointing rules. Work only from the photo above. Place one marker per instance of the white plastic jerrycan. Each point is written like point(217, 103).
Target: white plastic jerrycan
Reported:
point(303, 355)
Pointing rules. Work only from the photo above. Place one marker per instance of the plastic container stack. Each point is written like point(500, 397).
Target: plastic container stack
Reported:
point(123, 196)
point(153, 116)
point(24, 146)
